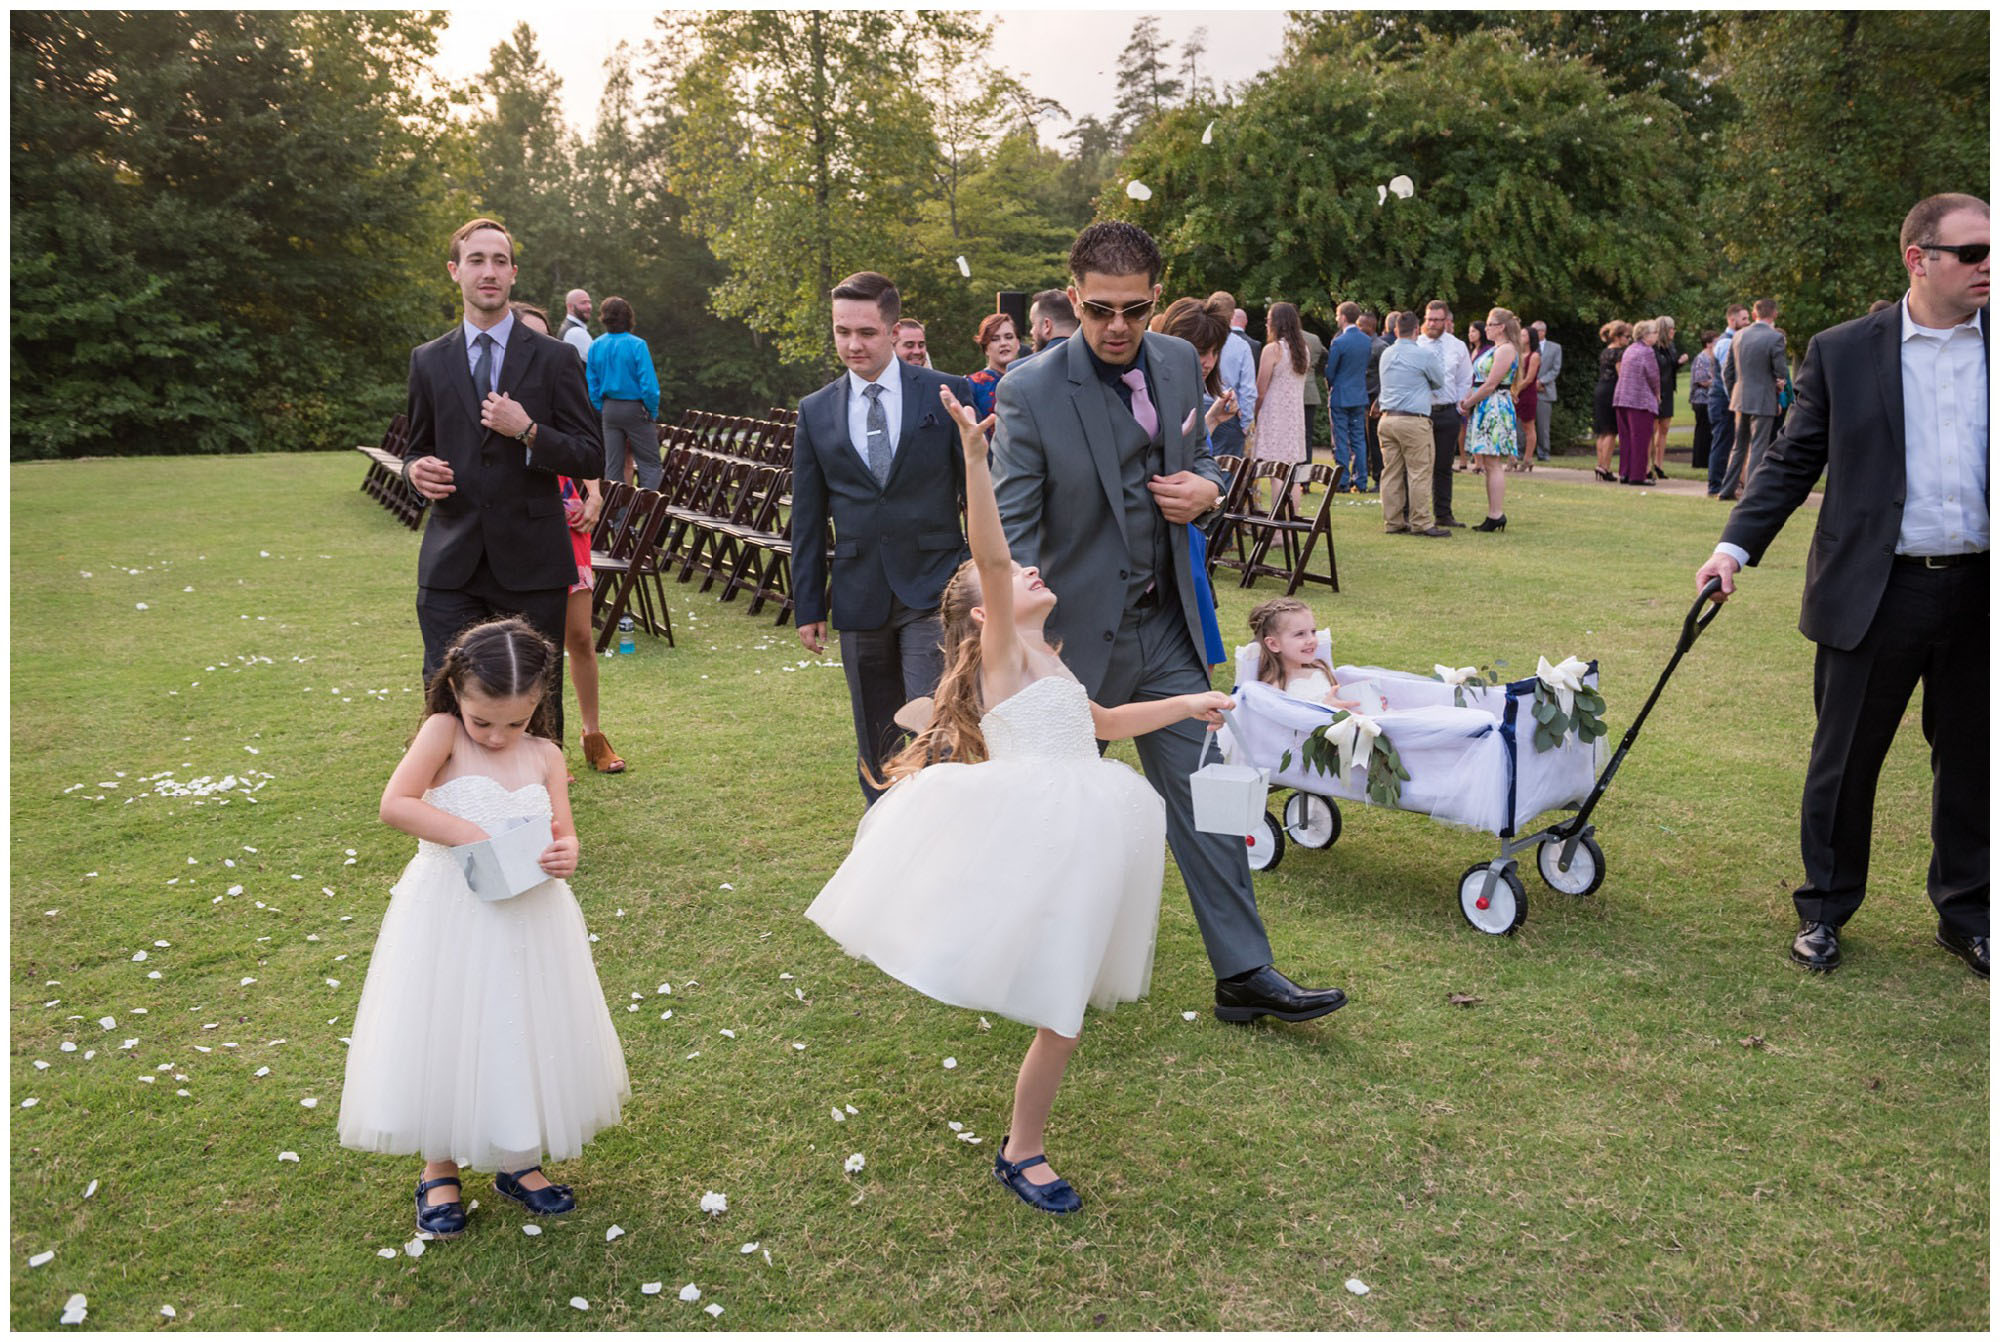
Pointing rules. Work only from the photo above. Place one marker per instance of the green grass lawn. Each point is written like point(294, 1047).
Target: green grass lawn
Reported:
point(1649, 1119)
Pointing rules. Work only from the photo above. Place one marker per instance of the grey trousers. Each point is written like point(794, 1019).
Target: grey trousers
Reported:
point(1753, 435)
point(1544, 408)
point(628, 428)
point(1153, 658)
point(886, 668)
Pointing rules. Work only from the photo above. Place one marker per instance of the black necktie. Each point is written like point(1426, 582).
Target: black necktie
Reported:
point(482, 371)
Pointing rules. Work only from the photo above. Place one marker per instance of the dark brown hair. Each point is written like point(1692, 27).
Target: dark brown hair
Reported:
point(1349, 312)
point(868, 287)
point(1407, 324)
point(1764, 309)
point(616, 314)
point(530, 310)
point(1922, 220)
point(1192, 321)
point(471, 226)
point(1114, 247)
point(502, 659)
point(1282, 323)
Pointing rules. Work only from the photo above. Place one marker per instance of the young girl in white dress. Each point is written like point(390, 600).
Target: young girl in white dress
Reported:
point(1011, 869)
point(1288, 652)
point(482, 1038)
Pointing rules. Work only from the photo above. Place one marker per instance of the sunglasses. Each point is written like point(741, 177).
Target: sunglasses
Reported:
point(1131, 312)
point(1969, 253)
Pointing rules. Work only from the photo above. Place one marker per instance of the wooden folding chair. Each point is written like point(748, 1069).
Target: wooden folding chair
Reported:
point(623, 570)
point(1243, 514)
point(1300, 534)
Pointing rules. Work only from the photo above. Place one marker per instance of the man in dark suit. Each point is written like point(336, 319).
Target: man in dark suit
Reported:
point(1893, 408)
point(875, 453)
point(1100, 465)
point(496, 411)
point(1754, 373)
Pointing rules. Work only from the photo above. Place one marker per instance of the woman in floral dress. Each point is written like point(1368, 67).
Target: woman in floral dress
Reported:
point(1491, 437)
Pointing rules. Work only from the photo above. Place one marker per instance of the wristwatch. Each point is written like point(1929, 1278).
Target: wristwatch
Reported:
point(527, 435)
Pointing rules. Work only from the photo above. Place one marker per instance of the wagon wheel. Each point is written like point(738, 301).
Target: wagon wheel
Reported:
point(1312, 821)
point(1265, 844)
point(1499, 913)
point(1586, 866)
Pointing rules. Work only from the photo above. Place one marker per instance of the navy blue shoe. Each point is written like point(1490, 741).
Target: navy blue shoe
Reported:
point(551, 1201)
point(446, 1220)
point(1057, 1198)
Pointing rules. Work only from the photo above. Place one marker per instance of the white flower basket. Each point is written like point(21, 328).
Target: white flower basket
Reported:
point(1228, 798)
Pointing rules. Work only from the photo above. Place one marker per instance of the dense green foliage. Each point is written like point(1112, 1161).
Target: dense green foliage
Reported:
point(215, 222)
point(228, 227)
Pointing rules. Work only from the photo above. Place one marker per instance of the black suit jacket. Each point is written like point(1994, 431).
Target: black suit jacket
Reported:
point(503, 508)
point(904, 538)
point(1847, 420)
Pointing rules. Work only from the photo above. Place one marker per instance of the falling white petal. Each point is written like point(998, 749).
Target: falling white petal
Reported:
point(1381, 194)
point(1402, 186)
point(963, 268)
point(1208, 133)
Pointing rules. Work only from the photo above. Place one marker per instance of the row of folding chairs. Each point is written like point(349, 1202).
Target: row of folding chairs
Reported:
point(1251, 525)
point(763, 440)
point(384, 482)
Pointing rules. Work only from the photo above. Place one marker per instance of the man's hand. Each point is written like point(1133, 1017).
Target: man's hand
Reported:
point(503, 414)
point(813, 636)
point(431, 477)
point(1183, 496)
point(1719, 565)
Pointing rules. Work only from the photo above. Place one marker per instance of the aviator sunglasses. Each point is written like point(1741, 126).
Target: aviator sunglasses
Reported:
point(1131, 312)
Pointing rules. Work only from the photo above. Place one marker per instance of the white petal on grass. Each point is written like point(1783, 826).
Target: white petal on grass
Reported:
point(44, 1257)
point(714, 1311)
point(91, 1191)
point(41, 1066)
point(969, 1138)
point(108, 1022)
point(292, 1156)
point(262, 1071)
point(31, 1101)
point(798, 1048)
point(613, 1232)
point(579, 1303)
point(1189, 1015)
point(309, 1103)
point(956, 1127)
point(66, 1046)
point(751, 1247)
point(727, 1034)
point(1358, 1286)
point(856, 1163)
point(415, 1248)
point(75, 1310)
point(663, 990)
point(531, 1230)
point(950, 1064)
point(167, 1312)
point(652, 1288)
point(1138, 190)
point(385, 1253)
point(727, 886)
point(138, 957)
point(715, 1204)
point(850, 1108)
point(690, 1293)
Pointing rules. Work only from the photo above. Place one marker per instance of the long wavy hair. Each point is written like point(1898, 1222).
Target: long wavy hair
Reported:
point(1282, 323)
point(502, 659)
point(1264, 622)
point(953, 732)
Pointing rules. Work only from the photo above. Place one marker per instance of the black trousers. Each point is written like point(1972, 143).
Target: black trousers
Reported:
point(1702, 431)
point(1373, 435)
point(1444, 438)
point(443, 613)
point(886, 668)
point(1931, 628)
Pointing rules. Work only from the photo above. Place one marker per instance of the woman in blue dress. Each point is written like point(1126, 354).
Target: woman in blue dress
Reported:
point(1490, 432)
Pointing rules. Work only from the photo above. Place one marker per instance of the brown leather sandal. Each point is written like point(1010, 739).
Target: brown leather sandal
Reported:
point(598, 753)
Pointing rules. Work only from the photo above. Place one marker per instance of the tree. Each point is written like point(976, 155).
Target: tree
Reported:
point(1199, 87)
point(1146, 86)
point(1848, 120)
point(224, 227)
point(801, 139)
point(526, 164)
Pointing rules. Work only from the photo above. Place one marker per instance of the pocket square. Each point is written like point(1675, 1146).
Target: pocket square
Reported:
point(1187, 425)
point(928, 421)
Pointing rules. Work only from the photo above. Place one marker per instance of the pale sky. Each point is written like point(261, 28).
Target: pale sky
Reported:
point(1068, 55)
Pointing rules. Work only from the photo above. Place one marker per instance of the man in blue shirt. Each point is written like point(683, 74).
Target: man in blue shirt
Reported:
point(1347, 395)
point(1722, 424)
point(626, 392)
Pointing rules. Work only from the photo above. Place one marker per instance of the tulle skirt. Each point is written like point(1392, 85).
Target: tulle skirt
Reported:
point(482, 1036)
point(1021, 887)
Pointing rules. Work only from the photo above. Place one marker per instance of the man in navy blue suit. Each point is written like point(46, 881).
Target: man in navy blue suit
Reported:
point(874, 454)
point(1347, 397)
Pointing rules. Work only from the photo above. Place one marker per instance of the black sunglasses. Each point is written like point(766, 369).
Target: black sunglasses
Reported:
point(1970, 253)
point(1131, 312)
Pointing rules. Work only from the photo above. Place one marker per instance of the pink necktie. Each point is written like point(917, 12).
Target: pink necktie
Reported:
point(1142, 404)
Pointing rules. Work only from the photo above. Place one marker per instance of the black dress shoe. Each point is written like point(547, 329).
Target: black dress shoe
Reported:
point(1970, 949)
point(553, 1200)
point(445, 1220)
point(1266, 992)
point(1817, 946)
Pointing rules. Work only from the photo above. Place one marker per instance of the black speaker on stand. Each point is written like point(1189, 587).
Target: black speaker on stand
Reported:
point(1014, 302)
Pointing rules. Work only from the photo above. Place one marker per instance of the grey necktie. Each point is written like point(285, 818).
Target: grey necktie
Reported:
point(878, 435)
point(482, 371)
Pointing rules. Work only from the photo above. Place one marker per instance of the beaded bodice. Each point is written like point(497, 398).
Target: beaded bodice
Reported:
point(1045, 719)
point(485, 802)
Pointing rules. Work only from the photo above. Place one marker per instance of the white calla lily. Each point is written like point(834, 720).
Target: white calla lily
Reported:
point(1565, 679)
point(1454, 676)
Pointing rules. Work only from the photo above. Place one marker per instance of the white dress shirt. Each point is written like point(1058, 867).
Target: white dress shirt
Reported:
point(891, 382)
point(500, 334)
point(1944, 438)
point(1944, 441)
point(1457, 362)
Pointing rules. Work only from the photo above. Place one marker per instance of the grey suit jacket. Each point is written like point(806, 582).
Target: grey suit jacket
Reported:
point(1757, 366)
point(1552, 366)
point(1056, 474)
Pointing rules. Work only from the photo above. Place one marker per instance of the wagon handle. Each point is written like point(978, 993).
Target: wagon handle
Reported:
point(1699, 617)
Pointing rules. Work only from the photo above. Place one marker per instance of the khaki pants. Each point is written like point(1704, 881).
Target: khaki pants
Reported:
point(1407, 454)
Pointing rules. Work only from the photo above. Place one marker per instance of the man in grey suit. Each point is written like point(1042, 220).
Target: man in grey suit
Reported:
point(1099, 466)
point(1754, 374)
point(1545, 390)
point(874, 453)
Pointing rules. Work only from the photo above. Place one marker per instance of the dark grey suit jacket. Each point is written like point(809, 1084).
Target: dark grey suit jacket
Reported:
point(1756, 367)
point(904, 537)
point(1847, 422)
point(502, 507)
point(1056, 474)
